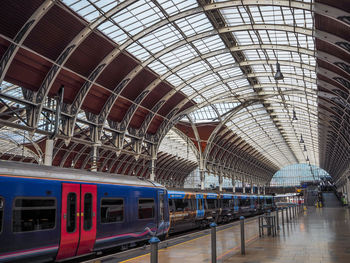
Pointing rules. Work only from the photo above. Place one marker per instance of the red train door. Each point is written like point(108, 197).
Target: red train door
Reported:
point(78, 220)
point(87, 219)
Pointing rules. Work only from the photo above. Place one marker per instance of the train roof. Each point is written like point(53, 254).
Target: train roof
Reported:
point(51, 172)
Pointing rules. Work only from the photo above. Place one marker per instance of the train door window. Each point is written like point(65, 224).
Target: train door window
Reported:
point(146, 208)
point(1, 212)
point(200, 204)
point(193, 205)
point(33, 214)
point(161, 206)
point(87, 211)
point(71, 212)
point(112, 210)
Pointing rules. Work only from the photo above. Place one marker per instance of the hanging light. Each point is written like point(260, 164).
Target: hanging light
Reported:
point(294, 116)
point(304, 148)
point(307, 158)
point(278, 75)
point(301, 139)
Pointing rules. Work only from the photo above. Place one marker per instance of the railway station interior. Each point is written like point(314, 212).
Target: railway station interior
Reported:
point(166, 130)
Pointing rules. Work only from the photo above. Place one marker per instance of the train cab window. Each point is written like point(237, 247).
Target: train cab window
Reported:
point(71, 212)
point(269, 201)
point(87, 211)
point(112, 210)
point(33, 214)
point(1, 212)
point(146, 208)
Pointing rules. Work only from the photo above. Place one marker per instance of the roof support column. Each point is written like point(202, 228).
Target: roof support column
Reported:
point(258, 188)
point(202, 178)
point(220, 181)
point(243, 184)
point(233, 184)
point(264, 190)
point(153, 170)
point(251, 186)
point(48, 152)
point(153, 162)
point(94, 158)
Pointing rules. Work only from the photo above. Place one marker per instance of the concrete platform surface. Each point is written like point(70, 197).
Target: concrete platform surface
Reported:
point(321, 235)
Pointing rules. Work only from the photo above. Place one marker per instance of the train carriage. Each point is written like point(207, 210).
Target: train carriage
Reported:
point(49, 213)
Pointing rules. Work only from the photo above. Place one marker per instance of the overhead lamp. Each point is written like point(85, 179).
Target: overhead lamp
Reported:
point(307, 158)
point(294, 116)
point(304, 148)
point(278, 75)
point(301, 139)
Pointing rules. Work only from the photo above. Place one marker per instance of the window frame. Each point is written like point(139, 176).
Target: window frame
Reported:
point(75, 213)
point(154, 208)
point(91, 214)
point(114, 198)
point(13, 208)
point(3, 213)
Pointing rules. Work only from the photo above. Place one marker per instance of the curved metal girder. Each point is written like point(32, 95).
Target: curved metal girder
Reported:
point(112, 99)
point(21, 36)
point(65, 55)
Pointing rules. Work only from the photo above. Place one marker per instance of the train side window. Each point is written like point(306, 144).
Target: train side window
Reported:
point(171, 208)
point(71, 212)
point(87, 211)
point(33, 214)
point(225, 203)
point(1, 212)
point(211, 203)
point(146, 208)
point(112, 210)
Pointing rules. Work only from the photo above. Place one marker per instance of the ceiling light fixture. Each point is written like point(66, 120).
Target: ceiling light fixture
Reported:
point(278, 75)
point(294, 116)
point(304, 148)
point(301, 139)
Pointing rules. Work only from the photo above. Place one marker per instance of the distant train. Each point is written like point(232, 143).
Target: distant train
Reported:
point(198, 210)
point(54, 214)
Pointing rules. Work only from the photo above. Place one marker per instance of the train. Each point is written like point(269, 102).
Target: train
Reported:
point(55, 214)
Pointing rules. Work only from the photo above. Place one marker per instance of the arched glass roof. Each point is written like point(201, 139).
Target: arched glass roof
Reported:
point(223, 53)
point(132, 70)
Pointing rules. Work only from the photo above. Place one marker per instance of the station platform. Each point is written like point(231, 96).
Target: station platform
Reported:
point(318, 235)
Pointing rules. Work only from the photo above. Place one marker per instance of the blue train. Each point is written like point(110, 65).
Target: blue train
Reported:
point(54, 214)
point(189, 210)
